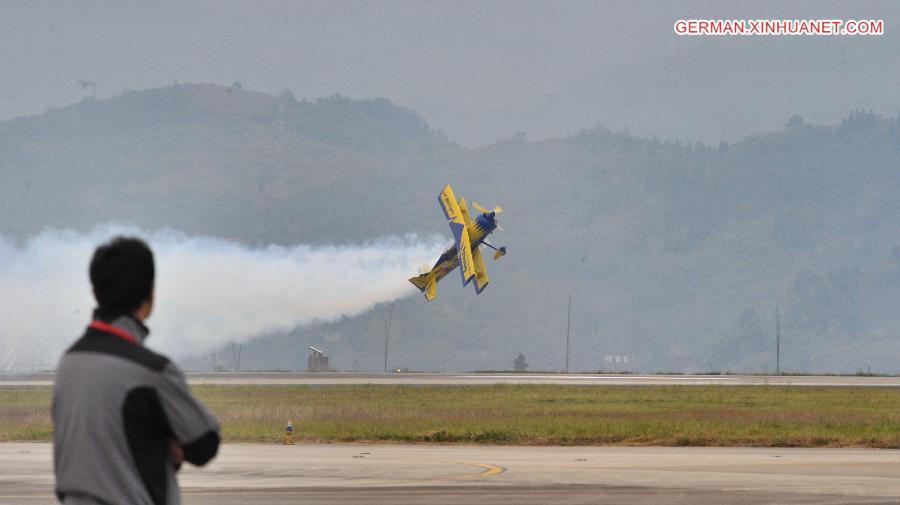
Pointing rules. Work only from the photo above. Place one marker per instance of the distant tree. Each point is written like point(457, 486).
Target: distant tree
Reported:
point(519, 363)
point(795, 122)
point(287, 96)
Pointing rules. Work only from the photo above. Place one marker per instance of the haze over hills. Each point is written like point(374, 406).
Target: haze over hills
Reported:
point(710, 92)
point(676, 253)
point(479, 71)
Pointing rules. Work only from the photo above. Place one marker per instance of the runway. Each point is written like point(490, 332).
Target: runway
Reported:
point(468, 379)
point(435, 474)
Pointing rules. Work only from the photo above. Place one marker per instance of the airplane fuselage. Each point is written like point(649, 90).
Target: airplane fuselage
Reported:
point(485, 224)
point(465, 253)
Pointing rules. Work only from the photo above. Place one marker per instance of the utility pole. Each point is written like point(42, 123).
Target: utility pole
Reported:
point(236, 356)
point(777, 341)
point(568, 327)
point(387, 332)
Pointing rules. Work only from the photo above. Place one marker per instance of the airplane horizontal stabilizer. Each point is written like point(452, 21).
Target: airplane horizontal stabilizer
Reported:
point(427, 284)
point(420, 281)
point(431, 290)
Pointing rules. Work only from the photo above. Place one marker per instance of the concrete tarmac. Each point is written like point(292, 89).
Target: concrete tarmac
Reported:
point(445, 474)
point(467, 379)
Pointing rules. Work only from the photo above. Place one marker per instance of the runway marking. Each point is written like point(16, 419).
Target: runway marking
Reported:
point(489, 471)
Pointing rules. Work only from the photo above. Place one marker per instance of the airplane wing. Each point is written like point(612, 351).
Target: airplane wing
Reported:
point(466, 262)
point(464, 211)
point(457, 219)
point(481, 276)
point(448, 204)
point(480, 272)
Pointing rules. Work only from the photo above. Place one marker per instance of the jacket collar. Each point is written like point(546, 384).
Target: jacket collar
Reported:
point(125, 322)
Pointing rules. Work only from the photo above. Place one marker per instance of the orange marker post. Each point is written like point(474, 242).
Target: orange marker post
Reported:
point(289, 433)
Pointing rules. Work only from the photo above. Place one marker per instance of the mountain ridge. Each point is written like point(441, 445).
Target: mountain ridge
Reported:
point(676, 252)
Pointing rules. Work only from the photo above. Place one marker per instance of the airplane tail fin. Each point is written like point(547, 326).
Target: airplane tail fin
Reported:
point(427, 284)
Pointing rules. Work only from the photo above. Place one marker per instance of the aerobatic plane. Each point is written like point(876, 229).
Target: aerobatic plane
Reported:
point(465, 252)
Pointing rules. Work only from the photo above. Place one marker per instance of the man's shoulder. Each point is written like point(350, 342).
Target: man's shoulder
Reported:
point(98, 342)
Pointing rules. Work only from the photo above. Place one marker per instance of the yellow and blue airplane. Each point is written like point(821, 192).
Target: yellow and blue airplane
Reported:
point(464, 253)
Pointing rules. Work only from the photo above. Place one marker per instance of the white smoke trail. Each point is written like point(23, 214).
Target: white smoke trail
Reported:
point(209, 291)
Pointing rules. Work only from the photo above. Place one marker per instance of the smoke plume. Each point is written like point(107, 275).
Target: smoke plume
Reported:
point(209, 291)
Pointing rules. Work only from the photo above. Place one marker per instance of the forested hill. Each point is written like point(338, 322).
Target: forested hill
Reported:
point(676, 253)
point(207, 158)
point(335, 120)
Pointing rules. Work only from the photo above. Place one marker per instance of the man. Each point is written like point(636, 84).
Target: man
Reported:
point(123, 416)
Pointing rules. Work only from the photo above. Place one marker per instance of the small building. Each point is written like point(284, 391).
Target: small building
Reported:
point(316, 361)
point(618, 359)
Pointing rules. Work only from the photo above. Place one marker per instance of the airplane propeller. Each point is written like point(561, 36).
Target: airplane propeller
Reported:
point(497, 210)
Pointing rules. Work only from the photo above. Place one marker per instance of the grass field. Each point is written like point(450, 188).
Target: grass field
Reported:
point(528, 414)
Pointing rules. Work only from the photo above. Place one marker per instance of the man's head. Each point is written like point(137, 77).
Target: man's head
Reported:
point(122, 275)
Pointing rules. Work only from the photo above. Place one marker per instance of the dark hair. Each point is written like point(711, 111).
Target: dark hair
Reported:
point(122, 275)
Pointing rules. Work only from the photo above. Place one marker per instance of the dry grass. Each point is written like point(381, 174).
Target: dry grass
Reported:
point(529, 414)
point(25, 414)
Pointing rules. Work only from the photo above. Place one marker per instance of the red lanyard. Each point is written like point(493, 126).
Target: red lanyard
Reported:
point(108, 328)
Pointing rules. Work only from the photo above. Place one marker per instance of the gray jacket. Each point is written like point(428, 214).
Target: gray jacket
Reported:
point(116, 404)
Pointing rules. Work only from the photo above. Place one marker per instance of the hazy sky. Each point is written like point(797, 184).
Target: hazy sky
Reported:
point(453, 62)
